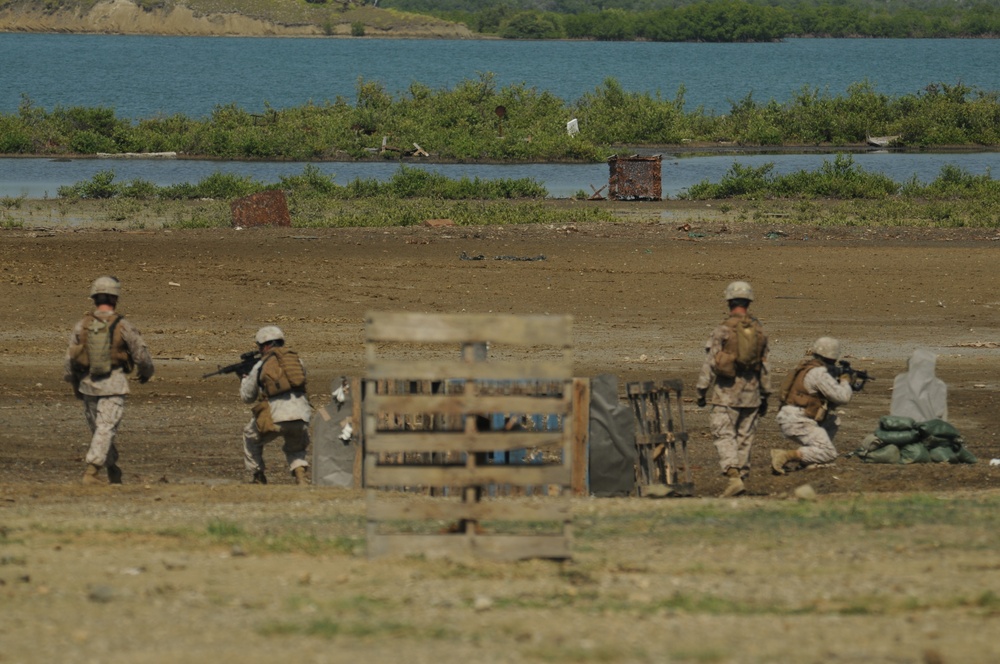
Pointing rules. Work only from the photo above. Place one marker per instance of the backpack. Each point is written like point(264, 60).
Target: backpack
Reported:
point(94, 353)
point(744, 350)
point(281, 372)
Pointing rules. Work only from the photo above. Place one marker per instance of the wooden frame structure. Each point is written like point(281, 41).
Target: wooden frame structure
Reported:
point(446, 469)
point(662, 468)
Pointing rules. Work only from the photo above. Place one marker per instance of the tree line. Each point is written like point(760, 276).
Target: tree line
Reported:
point(712, 20)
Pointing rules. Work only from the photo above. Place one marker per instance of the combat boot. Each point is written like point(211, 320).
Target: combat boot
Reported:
point(735, 486)
point(301, 475)
point(114, 474)
point(258, 478)
point(780, 457)
point(90, 475)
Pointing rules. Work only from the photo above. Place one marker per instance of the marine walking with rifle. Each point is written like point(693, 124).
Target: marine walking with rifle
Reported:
point(104, 348)
point(275, 379)
point(735, 369)
point(809, 397)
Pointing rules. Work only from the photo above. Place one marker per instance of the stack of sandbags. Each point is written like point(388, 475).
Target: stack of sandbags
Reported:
point(904, 440)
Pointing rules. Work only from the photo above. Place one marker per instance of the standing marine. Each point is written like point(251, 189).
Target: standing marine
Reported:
point(104, 348)
point(736, 382)
point(277, 383)
point(806, 416)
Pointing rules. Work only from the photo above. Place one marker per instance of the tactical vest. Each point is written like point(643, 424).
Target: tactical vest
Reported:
point(281, 372)
point(102, 348)
point(794, 393)
point(743, 350)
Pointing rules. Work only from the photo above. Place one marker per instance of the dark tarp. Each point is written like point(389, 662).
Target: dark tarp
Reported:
point(612, 440)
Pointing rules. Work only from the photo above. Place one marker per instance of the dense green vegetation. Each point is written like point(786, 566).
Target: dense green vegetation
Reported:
point(461, 124)
point(713, 20)
point(956, 198)
point(409, 197)
point(407, 182)
point(838, 193)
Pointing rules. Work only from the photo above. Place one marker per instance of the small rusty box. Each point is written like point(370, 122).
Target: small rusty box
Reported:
point(267, 208)
point(635, 178)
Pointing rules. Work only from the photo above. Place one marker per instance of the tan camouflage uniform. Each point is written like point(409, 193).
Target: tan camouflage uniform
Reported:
point(290, 412)
point(735, 404)
point(816, 438)
point(104, 398)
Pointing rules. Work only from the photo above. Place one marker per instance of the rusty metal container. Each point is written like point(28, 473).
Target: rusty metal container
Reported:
point(635, 178)
point(268, 208)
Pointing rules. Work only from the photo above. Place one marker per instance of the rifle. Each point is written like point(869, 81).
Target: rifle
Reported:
point(241, 368)
point(858, 377)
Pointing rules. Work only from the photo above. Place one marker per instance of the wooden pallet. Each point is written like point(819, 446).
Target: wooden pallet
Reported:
point(660, 438)
point(431, 391)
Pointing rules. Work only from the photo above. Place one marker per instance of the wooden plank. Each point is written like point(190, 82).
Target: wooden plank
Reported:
point(459, 441)
point(469, 328)
point(419, 508)
point(463, 476)
point(581, 436)
point(466, 404)
point(380, 368)
point(504, 548)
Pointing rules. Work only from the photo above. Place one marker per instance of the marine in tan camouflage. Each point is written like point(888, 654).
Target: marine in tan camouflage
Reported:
point(806, 416)
point(104, 348)
point(736, 382)
point(277, 383)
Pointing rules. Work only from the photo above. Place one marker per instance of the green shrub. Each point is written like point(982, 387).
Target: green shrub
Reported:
point(90, 142)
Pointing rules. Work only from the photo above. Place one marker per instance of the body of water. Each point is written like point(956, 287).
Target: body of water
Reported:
point(142, 76)
point(41, 178)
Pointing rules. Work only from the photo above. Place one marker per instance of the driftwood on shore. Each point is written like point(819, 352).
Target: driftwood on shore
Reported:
point(137, 155)
point(883, 141)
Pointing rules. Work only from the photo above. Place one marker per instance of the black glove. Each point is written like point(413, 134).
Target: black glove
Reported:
point(144, 379)
point(701, 399)
point(762, 410)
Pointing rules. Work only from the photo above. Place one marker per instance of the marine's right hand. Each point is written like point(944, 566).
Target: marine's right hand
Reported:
point(702, 402)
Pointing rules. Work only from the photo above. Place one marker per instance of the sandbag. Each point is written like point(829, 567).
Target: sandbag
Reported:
point(884, 454)
point(943, 454)
point(933, 442)
point(914, 453)
point(896, 423)
point(963, 455)
point(938, 429)
point(898, 438)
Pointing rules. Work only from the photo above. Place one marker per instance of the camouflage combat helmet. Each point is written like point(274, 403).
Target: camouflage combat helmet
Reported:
point(268, 334)
point(739, 290)
point(826, 347)
point(106, 285)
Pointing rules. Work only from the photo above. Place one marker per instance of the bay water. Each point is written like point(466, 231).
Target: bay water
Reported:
point(144, 76)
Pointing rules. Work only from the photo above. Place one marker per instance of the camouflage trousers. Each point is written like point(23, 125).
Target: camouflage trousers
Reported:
point(816, 439)
point(733, 430)
point(104, 414)
point(295, 435)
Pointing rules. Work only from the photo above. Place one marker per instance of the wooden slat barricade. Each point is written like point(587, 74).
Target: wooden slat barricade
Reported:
point(451, 498)
point(660, 438)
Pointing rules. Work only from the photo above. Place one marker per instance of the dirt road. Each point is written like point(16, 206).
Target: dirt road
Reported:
point(644, 296)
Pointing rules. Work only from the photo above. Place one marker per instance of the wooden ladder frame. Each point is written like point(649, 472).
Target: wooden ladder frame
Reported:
point(415, 458)
point(662, 468)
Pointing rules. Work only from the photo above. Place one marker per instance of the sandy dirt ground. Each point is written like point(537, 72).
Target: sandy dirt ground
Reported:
point(138, 573)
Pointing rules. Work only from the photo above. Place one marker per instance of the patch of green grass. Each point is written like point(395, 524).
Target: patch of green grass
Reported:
point(224, 530)
point(597, 653)
point(328, 628)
